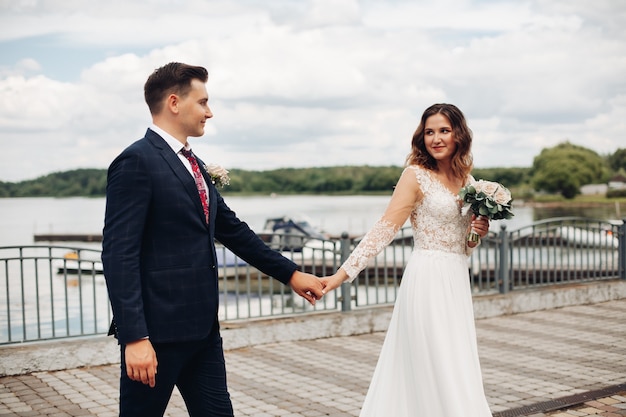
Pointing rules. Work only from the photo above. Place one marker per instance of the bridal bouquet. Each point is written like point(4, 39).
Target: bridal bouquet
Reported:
point(488, 199)
point(219, 175)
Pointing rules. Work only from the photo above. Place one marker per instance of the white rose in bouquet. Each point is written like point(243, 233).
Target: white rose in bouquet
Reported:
point(488, 199)
point(486, 187)
point(502, 196)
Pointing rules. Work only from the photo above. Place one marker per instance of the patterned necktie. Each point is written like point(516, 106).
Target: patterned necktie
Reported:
point(197, 176)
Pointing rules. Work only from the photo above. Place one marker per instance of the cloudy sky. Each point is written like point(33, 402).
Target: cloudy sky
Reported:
point(297, 83)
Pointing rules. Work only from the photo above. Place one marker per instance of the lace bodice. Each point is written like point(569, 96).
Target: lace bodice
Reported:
point(437, 221)
point(435, 216)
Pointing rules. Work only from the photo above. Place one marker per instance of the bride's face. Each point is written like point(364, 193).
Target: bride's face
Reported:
point(439, 137)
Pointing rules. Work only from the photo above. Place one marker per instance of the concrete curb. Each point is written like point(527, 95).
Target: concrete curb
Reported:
point(103, 350)
point(548, 297)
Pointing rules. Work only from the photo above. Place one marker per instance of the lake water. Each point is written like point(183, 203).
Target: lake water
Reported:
point(61, 306)
point(22, 218)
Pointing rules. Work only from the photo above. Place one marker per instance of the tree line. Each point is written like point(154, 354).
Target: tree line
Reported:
point(562, 169)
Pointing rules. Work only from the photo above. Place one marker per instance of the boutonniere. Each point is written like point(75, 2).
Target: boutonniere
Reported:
point(219, 175)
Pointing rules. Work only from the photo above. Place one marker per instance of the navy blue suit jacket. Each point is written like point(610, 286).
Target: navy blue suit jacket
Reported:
point(158, 252)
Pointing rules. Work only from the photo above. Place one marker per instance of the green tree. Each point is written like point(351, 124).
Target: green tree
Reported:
point(617, 161)
point(565, 167)
point(79, 182)
point(509, 177)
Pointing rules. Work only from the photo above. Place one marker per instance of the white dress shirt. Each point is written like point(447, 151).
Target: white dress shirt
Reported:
point(177, 148)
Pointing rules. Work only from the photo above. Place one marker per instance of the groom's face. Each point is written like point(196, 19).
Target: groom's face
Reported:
point(194, 109)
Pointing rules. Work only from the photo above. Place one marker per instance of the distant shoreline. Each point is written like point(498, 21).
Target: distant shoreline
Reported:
point(551, 204)
point(594, 200)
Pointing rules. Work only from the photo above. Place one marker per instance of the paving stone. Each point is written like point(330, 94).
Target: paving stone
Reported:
point(526, 358)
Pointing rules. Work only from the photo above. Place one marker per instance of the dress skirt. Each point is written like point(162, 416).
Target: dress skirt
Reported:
point(428, 364)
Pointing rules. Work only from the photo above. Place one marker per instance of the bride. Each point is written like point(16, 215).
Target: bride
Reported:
point(429, 364)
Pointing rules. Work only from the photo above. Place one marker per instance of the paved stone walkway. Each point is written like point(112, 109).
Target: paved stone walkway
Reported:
point(560, 363)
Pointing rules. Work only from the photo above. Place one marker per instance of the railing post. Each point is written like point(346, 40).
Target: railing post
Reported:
point(504, 277)
point(621, 254)
point(346, 297)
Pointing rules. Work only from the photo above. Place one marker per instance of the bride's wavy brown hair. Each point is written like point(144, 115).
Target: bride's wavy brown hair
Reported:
point(462, 161)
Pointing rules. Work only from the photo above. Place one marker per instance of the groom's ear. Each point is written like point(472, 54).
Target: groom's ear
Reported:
point(172, 103)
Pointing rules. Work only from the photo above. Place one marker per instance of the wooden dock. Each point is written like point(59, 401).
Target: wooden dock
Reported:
point(68, 238)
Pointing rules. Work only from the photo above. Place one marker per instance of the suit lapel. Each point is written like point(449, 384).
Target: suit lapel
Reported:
point(179, 169)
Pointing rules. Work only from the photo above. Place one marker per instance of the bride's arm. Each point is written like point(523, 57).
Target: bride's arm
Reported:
point(406, 194)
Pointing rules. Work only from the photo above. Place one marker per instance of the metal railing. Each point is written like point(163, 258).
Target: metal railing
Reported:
point(550, 252)
point(51, 292)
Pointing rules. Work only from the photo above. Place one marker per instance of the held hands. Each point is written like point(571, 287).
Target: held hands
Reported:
point(141, 362)
point(313, 288)
point(307, 286)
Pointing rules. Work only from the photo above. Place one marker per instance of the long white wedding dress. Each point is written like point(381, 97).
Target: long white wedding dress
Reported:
point(428, 365)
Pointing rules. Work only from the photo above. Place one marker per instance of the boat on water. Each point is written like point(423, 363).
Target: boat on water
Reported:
point(286, 234)
point(291, 234)
point(588, 238)
point(298, 240)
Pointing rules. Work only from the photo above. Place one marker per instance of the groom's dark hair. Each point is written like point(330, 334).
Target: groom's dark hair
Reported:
point(172, 78)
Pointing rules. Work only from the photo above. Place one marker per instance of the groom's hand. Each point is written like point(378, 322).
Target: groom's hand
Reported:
point(306, 286)
point(141, 362)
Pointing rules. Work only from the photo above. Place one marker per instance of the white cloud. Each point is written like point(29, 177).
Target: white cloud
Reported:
point(317, 82)
point(28, 65)
point(35, 104)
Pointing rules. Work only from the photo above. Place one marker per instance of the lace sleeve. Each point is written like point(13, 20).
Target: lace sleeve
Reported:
point(379, 236)
point(403, 200)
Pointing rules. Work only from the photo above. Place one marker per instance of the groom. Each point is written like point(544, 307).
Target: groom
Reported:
point(160, 265)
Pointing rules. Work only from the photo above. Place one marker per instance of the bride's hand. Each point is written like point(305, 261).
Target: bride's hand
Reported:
point(480, 225)
point(333, 281)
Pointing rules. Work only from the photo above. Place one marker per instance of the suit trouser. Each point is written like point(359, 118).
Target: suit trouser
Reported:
point(198, 370)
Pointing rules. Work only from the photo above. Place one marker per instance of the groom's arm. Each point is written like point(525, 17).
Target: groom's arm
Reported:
point(128, 194)
point(237, 236)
